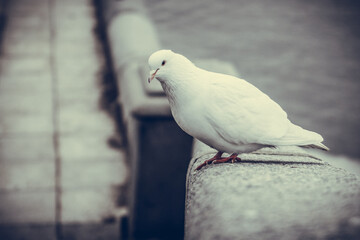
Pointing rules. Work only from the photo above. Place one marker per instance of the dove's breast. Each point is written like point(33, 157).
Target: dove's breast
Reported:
point(192, 120)
point(186, 104)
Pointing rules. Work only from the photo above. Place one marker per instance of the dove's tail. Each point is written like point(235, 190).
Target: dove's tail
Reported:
point(317, 146)
point(296, 135)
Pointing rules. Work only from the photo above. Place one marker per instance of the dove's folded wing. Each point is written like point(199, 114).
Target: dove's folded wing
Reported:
point(241, 113)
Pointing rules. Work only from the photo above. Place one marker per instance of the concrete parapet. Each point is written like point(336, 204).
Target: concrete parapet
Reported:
point(157, 147)
point(132, 37)
point(272, 194)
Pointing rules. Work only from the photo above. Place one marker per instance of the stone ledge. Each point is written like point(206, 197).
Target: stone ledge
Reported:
point(296, 197)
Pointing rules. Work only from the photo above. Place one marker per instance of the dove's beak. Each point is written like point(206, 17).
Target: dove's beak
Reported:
point(153, 73)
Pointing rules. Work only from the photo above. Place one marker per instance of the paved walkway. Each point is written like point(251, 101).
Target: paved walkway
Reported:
point(56, 166)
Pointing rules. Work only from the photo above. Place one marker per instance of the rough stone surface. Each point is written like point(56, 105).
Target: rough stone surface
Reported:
point(265, 198)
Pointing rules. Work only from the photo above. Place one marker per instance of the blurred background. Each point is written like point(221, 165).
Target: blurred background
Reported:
point(64, 173)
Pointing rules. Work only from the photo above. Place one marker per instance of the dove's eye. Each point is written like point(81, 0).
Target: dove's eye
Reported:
point(163, 63)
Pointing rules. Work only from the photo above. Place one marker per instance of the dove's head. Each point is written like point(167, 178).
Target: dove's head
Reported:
point(164, 64)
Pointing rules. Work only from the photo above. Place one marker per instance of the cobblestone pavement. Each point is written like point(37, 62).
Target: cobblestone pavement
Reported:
point(304, 54)
point(56, 166)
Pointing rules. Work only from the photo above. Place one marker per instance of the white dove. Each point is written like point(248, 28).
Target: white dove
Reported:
point(223, 111)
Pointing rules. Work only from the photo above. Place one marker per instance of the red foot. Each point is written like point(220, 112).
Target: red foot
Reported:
point(218, 159)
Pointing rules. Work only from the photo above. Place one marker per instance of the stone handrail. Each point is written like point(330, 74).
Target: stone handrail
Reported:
point(272, 194)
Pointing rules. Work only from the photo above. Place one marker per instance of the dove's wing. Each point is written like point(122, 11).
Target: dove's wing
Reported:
point(241, 113)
